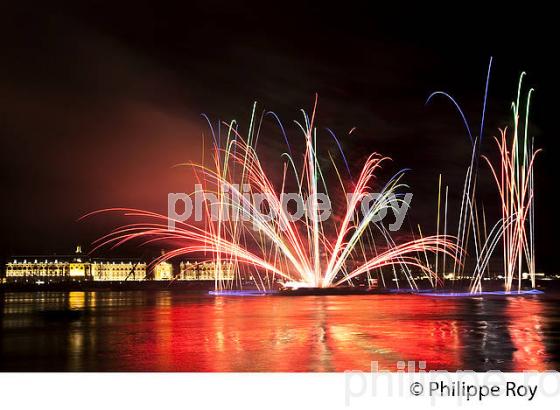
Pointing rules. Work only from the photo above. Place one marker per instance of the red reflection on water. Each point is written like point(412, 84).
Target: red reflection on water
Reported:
point(396, 331)
point(166, 331)
point(302, 334)
point(526, 330)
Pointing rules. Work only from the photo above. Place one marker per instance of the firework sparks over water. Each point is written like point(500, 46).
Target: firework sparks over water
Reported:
point(515, 181)
point(514, 178)
point(276, 248)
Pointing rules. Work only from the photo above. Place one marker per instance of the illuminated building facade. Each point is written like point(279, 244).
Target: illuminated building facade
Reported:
point(163, 271)
point(61, 269)
point(72, 268)
point(208, 270)
point(45, 269)
point(76, 268)
point(118, 271)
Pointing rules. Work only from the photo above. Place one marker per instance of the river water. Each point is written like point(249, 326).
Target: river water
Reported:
point(175, 331)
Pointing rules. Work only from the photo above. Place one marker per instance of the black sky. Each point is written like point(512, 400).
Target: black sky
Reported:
point(101, 99)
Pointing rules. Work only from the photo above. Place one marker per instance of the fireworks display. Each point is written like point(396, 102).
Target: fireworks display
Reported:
point(275, 248)
point(271, 248)
point(253, 188)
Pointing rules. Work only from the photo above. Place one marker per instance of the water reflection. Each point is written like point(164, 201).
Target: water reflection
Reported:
point(166, 331)
point(527, 334)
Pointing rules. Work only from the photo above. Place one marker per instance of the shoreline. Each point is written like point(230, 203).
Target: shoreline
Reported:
point(207, 287)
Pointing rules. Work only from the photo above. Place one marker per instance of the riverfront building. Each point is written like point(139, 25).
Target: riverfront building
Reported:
point(77, 268)
point(163, 271)
point(208, 270)
point(63, 269)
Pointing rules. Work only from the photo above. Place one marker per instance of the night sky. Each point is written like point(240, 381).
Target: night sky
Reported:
point(99, 100)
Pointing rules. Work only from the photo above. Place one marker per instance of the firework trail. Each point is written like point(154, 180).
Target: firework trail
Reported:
point(468, 217)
